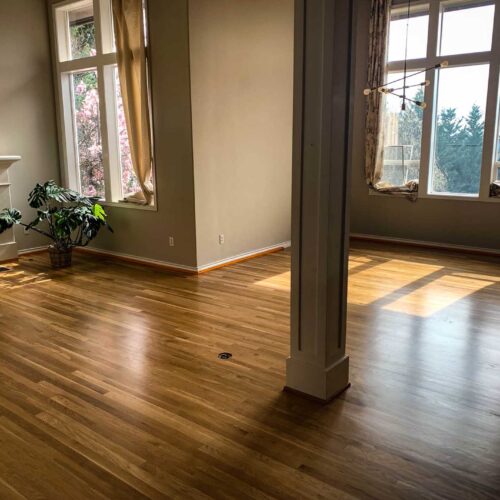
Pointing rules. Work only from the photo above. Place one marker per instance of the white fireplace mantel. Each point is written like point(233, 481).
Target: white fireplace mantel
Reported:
point(8, 247)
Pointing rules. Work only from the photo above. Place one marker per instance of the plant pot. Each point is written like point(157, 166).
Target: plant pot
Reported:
point(60, 258)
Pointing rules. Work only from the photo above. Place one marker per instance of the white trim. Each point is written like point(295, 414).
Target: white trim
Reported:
point(32, 250)
point(103, 63)
point(128, 204)
point(181, 267)
point(491, 118)
point(425, 244)
point(244, 255)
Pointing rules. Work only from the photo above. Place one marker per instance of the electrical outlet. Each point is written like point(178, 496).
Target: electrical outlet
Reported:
point(171, 241)
point(221, 239)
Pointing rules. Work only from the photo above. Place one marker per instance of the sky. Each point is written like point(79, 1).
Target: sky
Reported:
point(463, 31)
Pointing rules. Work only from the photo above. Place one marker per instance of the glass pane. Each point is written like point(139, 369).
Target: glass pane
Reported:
point(86, 111)
point(459, 129)
point(82, 31)
point(403, 132)
point(417, 36)
point(466, 28)
point(129, 180)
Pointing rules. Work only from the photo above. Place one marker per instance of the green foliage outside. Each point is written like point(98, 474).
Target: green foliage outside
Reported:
point(458, 146)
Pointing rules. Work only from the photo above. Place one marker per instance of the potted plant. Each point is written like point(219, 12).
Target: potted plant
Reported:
point(70, 220)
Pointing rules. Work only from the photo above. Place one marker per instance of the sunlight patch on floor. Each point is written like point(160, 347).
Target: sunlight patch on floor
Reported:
point(278, 282)
point(437, 295)
point(355, 262)
point(384, 279)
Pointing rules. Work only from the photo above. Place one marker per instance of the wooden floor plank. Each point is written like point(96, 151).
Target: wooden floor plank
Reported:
point(110, 384)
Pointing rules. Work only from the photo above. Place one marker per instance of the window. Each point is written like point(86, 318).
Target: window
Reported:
point(403, 134)
point(452, 144)
point(95, 138)
point(417, 33)
point(459, 129)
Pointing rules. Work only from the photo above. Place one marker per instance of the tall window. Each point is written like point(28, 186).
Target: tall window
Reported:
point(96, 147)
point(452, 146)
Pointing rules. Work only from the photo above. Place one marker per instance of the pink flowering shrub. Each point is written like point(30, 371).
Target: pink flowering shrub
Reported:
point(88, 133)
point(89, 138)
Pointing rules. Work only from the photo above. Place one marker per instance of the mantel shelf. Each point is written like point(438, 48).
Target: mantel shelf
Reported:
point(7, 161)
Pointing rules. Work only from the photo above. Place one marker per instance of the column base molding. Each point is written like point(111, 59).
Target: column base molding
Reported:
point(316, 382)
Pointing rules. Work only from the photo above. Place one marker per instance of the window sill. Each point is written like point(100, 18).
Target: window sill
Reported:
point(133, 206)
point(441, 196)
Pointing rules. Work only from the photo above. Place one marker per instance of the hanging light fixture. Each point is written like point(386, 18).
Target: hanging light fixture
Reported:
point(401, 88)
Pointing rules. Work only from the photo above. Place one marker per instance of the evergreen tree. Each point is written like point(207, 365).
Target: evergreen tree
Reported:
point(448, 145)
point(472, 151)
point(410, 126)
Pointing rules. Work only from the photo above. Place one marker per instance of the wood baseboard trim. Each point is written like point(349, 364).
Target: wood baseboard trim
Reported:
point(449, 247)
point(182, 269)
point(243, 257)
point(132, 259)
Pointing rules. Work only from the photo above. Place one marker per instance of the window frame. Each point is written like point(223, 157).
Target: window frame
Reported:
point(492, 111)
point(104, 63)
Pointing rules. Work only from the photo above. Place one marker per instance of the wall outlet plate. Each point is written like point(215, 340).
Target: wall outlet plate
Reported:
point(221, 239)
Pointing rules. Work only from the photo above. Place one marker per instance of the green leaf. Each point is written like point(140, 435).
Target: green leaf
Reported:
point(99, 212)
point(9, 217)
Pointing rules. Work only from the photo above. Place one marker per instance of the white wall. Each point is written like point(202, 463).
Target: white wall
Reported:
point(27, 118)
point(241, 87)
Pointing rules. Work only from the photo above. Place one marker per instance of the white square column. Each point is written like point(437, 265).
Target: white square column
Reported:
point(8, 246)
point(318, 366)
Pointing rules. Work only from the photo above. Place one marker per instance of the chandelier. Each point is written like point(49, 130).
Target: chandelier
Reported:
point(400, 87)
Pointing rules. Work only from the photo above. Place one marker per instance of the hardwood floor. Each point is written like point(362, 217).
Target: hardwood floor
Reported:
point(110, 384)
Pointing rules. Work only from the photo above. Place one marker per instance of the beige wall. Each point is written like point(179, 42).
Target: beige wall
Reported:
point(27, 119)
point(241, 86)
point(231, 61)
point(468, 223)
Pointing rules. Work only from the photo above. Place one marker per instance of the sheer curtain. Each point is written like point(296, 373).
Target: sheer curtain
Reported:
point(128, 18)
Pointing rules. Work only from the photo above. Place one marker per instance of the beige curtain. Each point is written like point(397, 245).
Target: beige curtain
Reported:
point(131, 56)
point(379, 28)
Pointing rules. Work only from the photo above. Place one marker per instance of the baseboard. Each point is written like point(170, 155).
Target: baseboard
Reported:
point(180, 268)
point(426, 244)
point(145, 261)
point(32, 251)
point(243, 256)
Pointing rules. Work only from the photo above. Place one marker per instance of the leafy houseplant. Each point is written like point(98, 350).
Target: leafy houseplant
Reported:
point(70, 220)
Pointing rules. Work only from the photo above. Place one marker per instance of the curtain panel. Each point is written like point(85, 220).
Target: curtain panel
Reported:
point(131, 56)
point(379, 29)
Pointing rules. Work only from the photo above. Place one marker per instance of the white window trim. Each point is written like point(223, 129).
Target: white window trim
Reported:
point(103, 63)
point(491, 119)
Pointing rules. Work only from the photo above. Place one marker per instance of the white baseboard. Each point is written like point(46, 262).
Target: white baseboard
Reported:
point(25, 251)
point(181, 267)
point(426, 244)
point(243, 256)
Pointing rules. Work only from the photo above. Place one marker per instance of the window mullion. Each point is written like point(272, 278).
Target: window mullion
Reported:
point(103, 119)
point(491, 116)
point(489, 141)
point(428, 122)
point(112, 136)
